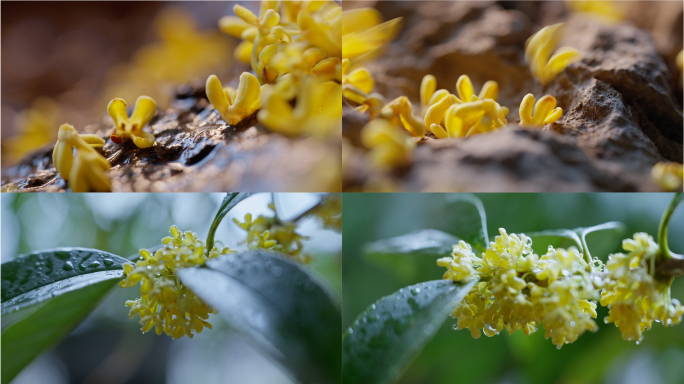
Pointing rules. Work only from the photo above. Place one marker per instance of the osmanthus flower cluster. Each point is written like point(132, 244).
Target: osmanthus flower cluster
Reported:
point(517, 289)
point(165, 303)
point(294, 49)
point(269, 232)
point(520, 290)
point(635, 296)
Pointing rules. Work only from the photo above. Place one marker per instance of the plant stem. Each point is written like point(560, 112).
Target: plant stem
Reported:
point(670, 264)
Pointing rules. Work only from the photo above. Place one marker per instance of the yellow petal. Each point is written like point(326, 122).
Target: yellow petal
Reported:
point(542, 109)
point(362, 79)
point(117, 110)
point(490, 90)
point(354, 94)
point(526, 108)
point(63, 158)
point(93, 140)
point(143, 139)
point(245, 14)
point(216, 95)
point(454, 125)
point(438, 131)
point(437, 96)
point(248, 91)
point(413, 124)
point(554, 115)
point(464, 88)
point(562, 58)
point(232, 25)
point(435, 114)
point(359, 20)
point(427, 88)
point(145, 108)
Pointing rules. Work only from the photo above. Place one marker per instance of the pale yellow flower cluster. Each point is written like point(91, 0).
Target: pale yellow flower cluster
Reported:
point(520, 290)
point(165, 303)
point(269, 232)
point(634, 295)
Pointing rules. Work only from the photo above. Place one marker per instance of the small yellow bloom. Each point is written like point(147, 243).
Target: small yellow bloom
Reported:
point(399, 111)
point(34, 128)
point(318, 110)
point(668, 175)
point(234, 106)
point(540, 47)
point(87, 173)
point(266, 232)
point(464, 87)
point(363, 32)
point(473, 117)
point(125, 127)
point(536, 115)
point(390, 147)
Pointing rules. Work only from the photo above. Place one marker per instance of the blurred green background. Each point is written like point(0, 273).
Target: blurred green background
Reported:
point(454, 356)
point(108, 347)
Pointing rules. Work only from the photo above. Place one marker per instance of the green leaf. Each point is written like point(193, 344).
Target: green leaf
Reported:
point(42, 275)
point(563, 233)
point(279, 306)
point(385, 337)
point(398, 254)
point(230, 201)
point(583, 232)
point(429, 242)
point(463, 216)
point(44, 324)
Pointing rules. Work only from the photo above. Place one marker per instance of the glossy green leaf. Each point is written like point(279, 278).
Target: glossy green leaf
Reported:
point(39, 276)
point(279, 306)
point(583, 232)
point(563, 233)
point(463, 216)
point(385, 337)
point(429, 242)
point(231, 200)
point(40, 326)
point(398, 254)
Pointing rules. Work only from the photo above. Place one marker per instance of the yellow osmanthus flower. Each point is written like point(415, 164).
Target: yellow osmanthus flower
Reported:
point(389, 146)
point(520, 290)
point(234, 105)
point(400, 112)
point(317, 112)
point(132, 128)
point(606, 10)
point(538, 54)
point(480, 113)
point(165, 303)
point(536, 114)
point(668, 175)
point(88, 172)
point(269, 232)
point(473, 117)
point(35, 127)
point(634, 295)
point(330, 212)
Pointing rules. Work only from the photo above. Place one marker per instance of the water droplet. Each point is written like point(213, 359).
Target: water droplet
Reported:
point(108, 262)
point(81, 267)
point(558, 347)
point(94, 264)
point(149, 267)
point(639, 341)
point(414, 291)
point(276, 271)
point(605, 319)
point(364, 320)
point(427, 329)
point(372, 306)
point(454, 327)
point(68, 266)
point(572, 323)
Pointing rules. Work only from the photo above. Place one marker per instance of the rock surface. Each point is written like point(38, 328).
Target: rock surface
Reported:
point(196, 151)
point(620, 117)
